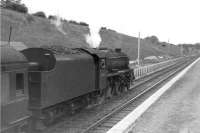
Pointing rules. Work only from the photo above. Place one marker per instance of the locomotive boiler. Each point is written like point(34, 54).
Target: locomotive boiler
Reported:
point(65, 80)
point(115, 59)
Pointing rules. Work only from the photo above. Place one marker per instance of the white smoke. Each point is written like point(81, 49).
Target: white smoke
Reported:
point(93, 39)
point(59, 24)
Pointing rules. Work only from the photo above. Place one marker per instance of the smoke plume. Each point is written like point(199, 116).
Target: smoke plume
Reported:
point(93, 38)
point(58, 24)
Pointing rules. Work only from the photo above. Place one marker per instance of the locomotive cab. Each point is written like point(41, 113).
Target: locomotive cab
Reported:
point(99, 58)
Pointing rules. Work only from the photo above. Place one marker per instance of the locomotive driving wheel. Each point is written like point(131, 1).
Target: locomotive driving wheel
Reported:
point(101, 97)
point(105, 94)
point(126, 87)
point(48, 118)
point(117, 88)
point(108, 92)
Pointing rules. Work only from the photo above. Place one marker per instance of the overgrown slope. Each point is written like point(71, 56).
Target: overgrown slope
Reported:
point(129, 44)
point(35, 32)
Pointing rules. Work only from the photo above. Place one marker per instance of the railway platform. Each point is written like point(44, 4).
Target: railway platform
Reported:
point(177, 110)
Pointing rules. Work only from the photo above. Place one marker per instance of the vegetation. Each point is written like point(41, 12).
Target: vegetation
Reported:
point(83, 24)
point(77, 23)
point(153, 39)
point(40, 32)
point(73, 22)
point(52, 17)
point(40, 14)
point(15, 5)
point(30, 18)
point(190, 48)
point(103, 28)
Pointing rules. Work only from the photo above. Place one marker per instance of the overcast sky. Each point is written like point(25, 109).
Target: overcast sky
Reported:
point(176, 20)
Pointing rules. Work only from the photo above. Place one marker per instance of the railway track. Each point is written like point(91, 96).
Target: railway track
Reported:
point(120, 112)
point(101, 118)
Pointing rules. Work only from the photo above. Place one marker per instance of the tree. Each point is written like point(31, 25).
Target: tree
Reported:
point(15, 5)
point(52, 17)
point(153, 39)
point(40, 14)
point(84, 24)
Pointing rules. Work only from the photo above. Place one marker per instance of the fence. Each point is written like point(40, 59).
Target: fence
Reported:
point(142, 71)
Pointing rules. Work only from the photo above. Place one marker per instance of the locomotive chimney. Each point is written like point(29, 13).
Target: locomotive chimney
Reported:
point(93, 38)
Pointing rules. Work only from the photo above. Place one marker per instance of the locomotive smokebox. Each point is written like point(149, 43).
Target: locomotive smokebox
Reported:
point(117, 60)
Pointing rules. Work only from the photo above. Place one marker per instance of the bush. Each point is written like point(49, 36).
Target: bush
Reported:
point(14, 5)
point(40, 14)
point(73, 22)
point(64, 20)
point(103, 28)
point(83, 24)
point(52, 17)
point(30, 18)
point(153, 39)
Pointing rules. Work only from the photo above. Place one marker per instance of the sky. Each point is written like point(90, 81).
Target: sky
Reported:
point(176, 21)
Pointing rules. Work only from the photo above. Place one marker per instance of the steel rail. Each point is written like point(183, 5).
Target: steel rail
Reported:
point(118, 109)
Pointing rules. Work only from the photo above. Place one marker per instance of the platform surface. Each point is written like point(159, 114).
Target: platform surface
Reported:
point(177, 110)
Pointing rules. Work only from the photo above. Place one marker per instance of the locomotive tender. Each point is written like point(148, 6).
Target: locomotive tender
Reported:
point(63, 80)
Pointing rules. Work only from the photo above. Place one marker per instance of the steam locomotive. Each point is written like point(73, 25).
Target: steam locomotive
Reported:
point(55, 80)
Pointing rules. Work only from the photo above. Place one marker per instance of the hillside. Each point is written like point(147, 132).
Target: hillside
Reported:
point(35, 31)
point(129, 44)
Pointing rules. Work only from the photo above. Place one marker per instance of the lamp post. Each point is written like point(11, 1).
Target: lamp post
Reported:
point(168, 50)
point(181, 50)
point(138, 49)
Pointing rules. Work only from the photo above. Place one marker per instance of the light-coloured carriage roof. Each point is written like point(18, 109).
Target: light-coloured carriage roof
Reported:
point(12, 59)
point(16, 45)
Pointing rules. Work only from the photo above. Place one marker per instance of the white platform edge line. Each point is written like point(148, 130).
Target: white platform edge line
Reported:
point(125, 124)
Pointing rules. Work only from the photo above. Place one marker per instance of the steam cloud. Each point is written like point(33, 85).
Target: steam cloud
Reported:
point(59, 24)
point(93, 39)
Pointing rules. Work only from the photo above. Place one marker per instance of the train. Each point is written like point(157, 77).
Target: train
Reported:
point(42, 84)
point(14, 90)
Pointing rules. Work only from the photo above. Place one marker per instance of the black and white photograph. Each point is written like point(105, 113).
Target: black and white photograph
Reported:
point(100, 66)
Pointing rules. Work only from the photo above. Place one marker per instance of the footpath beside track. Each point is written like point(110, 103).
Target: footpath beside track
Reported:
point(177, 110)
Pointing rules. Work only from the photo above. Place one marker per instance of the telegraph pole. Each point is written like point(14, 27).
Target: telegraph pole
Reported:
point(181, 50)
point(168, 46)
point(10, 35)
point(138, 49)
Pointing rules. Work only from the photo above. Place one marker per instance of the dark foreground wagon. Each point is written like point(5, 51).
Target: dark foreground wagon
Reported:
point(14, 95)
